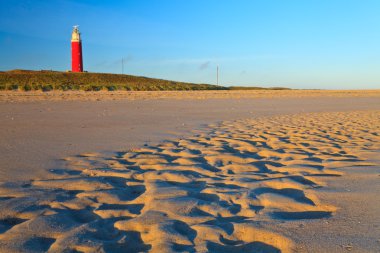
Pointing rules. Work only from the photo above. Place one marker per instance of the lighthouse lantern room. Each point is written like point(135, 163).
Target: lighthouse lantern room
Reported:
point(76, 51)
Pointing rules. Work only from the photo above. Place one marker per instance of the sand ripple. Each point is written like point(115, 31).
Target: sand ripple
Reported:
point(211, 192)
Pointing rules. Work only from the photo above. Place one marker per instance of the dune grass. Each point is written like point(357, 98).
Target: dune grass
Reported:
point(44, 80)
point(256, 88)
point(27, 80)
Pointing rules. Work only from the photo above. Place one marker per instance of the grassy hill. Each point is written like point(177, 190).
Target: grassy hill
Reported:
point(54, 80)
point(45, 80)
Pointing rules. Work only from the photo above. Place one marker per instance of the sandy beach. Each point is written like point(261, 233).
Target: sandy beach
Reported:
point(223, 171)
point(20, 96)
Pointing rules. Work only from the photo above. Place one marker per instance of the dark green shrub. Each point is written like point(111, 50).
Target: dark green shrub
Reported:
point(48, 87)
point(111, 87)
point(12, 87)
point(25, 87)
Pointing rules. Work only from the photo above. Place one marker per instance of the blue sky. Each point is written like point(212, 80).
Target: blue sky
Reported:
point(294, 43)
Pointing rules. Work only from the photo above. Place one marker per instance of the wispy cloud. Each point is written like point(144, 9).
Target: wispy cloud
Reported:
point(211, 60)
point(204, 65)
point(125, 59)
point(128, 58)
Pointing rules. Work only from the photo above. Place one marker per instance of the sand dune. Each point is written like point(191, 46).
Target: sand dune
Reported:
point(216, 191)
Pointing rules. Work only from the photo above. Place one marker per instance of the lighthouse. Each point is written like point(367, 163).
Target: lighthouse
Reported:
point(76, 51)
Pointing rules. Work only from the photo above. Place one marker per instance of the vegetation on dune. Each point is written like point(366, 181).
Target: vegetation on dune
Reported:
point(27, 80)
point(256, 88)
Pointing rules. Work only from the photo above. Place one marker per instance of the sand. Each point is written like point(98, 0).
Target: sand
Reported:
point(35, 135)
point(299, 176)
point(20, 96)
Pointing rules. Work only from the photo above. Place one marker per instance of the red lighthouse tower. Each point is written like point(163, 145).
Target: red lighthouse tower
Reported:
point(76, 51)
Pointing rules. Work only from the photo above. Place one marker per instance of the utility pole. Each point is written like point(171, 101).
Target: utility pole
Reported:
point(217, 74)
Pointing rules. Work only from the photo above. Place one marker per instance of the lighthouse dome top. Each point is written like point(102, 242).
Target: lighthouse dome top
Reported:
point(75, 36)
